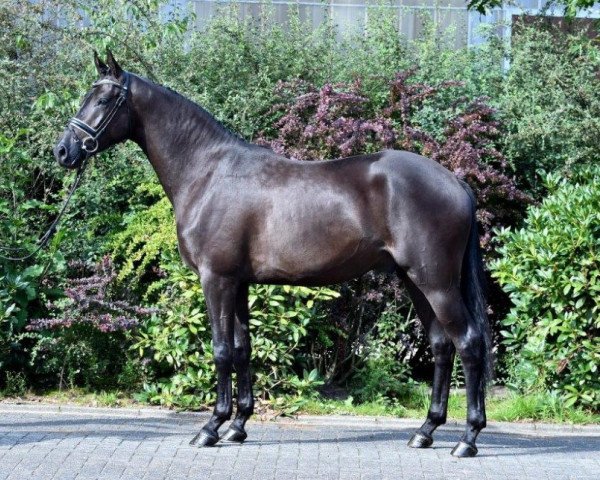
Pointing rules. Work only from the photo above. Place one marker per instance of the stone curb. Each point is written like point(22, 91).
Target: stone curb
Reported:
point(360, 422)
point(529, 428)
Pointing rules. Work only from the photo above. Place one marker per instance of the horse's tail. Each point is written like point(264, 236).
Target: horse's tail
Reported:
point(473, 288)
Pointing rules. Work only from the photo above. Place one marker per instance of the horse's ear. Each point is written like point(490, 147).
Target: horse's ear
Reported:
point(100, 65)
point(114, 67)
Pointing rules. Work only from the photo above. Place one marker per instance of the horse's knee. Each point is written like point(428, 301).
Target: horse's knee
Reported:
point(223, 356)
point(241, 358)
point(442, 349)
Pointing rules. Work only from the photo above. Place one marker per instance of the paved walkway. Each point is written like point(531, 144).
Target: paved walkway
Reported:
point(43, 442)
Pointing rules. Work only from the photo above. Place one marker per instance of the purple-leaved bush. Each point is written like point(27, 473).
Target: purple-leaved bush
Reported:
point(339, 120)
point(405, 100)
point(88, 302)
point(333, 121)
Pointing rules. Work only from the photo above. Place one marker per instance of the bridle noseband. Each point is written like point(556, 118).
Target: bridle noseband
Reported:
point(94, 133)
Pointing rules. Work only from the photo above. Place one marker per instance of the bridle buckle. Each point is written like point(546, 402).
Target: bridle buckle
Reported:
point(93, 148)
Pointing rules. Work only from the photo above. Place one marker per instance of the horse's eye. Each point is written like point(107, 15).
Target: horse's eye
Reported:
point(103, 101)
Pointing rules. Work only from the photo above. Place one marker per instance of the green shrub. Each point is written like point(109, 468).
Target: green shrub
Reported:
point(178, 342)
point(84, 341)
point(550, 103)
point(383, 372)
point(551, 270)
point(22, 293)
point(15, 384)
point(149, 230)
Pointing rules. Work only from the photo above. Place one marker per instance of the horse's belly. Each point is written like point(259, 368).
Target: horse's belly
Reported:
point(323, 260)
point(327, 236)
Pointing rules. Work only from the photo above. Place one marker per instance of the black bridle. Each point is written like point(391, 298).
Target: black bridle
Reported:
point(94, 133)
point(93, 136)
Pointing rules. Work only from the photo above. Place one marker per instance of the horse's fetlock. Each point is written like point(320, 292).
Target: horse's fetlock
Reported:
point(437, 418)
point(476, 421)
point(245, 407)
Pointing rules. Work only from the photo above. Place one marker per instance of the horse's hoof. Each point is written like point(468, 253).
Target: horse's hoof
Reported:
point(233, 434)
point(464, 450)
point(420, 440)
point(204, 439)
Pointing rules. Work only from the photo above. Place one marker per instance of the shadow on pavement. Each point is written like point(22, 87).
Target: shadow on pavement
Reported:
point(149, 428)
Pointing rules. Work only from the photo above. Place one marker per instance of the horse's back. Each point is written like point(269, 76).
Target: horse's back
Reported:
point(354, 214)
point(289, 221)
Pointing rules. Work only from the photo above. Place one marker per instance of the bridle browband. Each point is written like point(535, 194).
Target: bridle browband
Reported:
point(94, 133)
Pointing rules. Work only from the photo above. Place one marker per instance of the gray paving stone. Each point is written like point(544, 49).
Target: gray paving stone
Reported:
point(86, 444)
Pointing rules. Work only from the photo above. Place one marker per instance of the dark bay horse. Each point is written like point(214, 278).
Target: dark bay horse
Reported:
point(247, 215)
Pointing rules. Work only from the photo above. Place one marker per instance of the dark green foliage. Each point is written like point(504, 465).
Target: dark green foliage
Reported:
point(77, 356)
point(551, 269)
point(15, 384)
point(84, 341)
point(570, 7)
point(550, 104)
point(385, 373)
point(22, 293)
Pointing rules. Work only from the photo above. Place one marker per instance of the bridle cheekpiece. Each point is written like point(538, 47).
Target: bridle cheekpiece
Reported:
point(94, 133)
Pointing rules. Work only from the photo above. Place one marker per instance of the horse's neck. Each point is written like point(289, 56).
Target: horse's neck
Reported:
point(179, 139)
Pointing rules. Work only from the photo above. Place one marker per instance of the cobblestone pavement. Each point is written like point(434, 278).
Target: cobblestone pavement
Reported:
point(41, 442)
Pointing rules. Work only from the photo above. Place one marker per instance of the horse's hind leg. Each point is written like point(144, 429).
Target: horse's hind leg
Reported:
point(469, 340)
point(241, 363)
point(443, 354)
point(220, 295)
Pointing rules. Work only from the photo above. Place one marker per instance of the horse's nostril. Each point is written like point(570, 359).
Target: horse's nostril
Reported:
point(61, 153)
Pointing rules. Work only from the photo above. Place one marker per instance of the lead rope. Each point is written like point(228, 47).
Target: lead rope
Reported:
point(43, 241)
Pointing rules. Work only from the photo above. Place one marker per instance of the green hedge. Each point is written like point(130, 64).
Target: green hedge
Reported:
point(551, 269)
point(550, 103)
point(546, 103)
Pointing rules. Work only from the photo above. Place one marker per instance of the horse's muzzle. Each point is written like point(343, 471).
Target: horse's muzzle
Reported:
point(68, 154)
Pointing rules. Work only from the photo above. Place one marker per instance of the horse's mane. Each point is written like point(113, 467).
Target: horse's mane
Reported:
point(205, 117)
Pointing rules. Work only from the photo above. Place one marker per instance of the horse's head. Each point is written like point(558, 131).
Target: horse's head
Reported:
point(103, 118)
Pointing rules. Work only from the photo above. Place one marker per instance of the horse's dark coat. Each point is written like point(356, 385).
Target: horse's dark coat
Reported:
point(247, 215)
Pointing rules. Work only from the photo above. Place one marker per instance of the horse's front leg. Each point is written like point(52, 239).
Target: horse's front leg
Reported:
point(219, 293)
point(241, 363)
